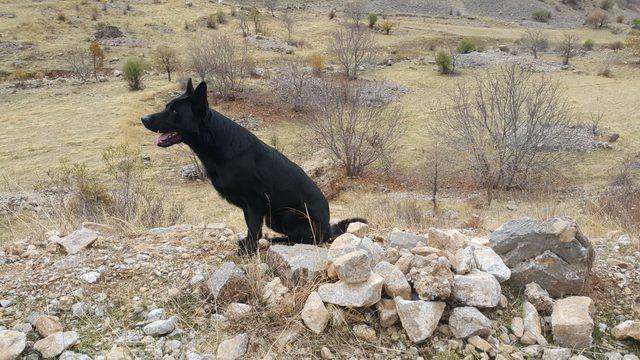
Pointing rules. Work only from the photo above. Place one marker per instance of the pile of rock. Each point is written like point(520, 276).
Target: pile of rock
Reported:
point(415, 281)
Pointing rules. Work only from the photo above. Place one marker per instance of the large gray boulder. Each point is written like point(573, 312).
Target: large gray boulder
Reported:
point(553, 253)
point(228, 283)
point(12, 343)
point(297, 264)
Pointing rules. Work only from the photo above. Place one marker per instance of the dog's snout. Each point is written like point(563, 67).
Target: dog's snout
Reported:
point(145, 120)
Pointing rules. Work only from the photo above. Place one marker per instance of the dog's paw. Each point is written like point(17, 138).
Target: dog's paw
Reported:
point(245, 248)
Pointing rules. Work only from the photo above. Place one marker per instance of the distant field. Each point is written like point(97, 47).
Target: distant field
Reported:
point(44, 125)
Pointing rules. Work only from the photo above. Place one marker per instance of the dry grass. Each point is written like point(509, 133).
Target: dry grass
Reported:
point(46, 124)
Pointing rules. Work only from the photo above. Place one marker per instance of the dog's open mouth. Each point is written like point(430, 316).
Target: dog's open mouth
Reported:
point(168, 139)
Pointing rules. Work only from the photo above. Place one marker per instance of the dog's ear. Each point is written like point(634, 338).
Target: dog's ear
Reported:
point(189, 87)
point(199, 100)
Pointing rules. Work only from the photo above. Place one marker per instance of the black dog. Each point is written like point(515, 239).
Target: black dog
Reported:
point(247, 172)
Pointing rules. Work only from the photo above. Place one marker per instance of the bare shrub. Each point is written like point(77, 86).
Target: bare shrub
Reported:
point(256, 18)
point(438, 168)
point(271, 5)
point(409, 212)
point(503, 124)
point(317, 63)
point(606, 63)
point(352, 47)
point(568, 47)
point(598, 19)
point(97, 55)
point(293, 86)
point(535, 41)
point(166, 59)
point(188, 154)
point(633, 43)
point(221, 61)
point(356, 11)
point(352, 122)
point(289, 21)
point(80, 63)
point(244, 23)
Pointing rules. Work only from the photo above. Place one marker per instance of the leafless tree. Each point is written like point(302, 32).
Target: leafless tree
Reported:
point(271, 5)
point(438, 168)
point(350, 119)
point(221, 61)
point(243, 16)
point(166, 59)
point(289, 21)
point(535, 41)
point(356, 11)
point(568, 47)
point(504, 126)
point(352, 47)
point(81, 63)
point(294, 86)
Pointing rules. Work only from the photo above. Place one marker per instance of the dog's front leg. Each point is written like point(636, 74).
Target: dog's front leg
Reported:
point(253, 217)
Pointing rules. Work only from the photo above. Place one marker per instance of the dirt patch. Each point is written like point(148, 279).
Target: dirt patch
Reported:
point(495, 57)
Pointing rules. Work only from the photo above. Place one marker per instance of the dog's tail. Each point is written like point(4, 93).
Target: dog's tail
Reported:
point(341, 226)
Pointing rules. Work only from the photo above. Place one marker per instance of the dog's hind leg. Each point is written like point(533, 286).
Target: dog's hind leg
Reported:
point(253, 216)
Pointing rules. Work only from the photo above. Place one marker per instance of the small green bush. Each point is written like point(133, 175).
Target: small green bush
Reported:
point(541, 16)
point(444, 62)
point(588, 44)
point(132, 71)
point(373, 19)
point(466, 46)
point(636, 23)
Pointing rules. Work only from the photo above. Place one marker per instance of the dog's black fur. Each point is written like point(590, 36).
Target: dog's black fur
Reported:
point(246, 172)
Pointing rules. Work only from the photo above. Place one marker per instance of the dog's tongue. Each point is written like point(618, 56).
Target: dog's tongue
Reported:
point(163, 137)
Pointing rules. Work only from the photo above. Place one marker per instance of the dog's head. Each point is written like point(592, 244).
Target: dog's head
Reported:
point(181, 117)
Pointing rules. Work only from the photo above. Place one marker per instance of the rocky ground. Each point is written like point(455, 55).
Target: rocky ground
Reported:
point(529, 290)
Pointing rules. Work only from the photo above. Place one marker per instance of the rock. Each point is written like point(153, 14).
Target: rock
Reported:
point(463, 261)
point(419, 318)
point(539, 297)
point(353, 295)
point(517, 326)
point(348, 243)
point(553, 253)
point(46, 325)
point(532, 328)
point(155, 315)
point(117, 353)
point(581, 357)
point(353, 267)
point(229, 283)
point(274, 292)
point(404, 240)
point(627, 329)
point(297, 264)
point(426, 251)
point(480, 344)
point(236, 311)
point(12, 344)
point(571, 322)
point(556, 354)
point(488, 261)
point(5, 303)
point(630, 357)
point(233, 348)
point(314, 314)
point(160, 327)
point(365, 333)
point(387, 312)
point(468, 321)
point(70, 355)
point(448, 240)
point(358, 229)
point(90, 277)
point(395, 283)
point(432, 277)
point(80, 309)
point(77, 240)
point(404, 263)
point(476, 288)
point(55, 344)
point(326, 354)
